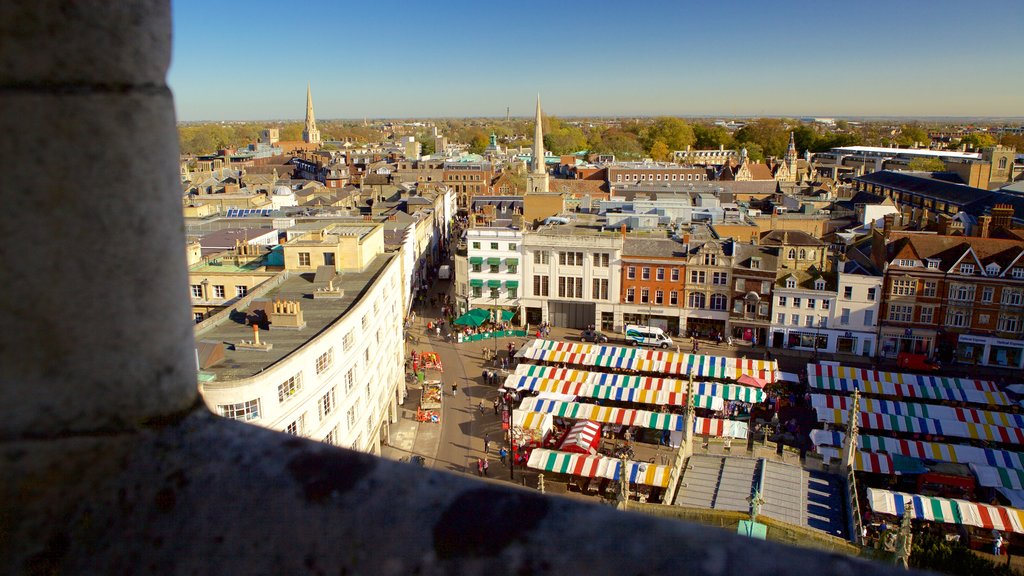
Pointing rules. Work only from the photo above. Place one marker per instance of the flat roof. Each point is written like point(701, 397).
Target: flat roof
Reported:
point(318, 314)
point(908, 152)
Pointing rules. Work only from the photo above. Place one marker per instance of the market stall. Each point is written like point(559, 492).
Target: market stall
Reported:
point(431, 397)
point(582, 438)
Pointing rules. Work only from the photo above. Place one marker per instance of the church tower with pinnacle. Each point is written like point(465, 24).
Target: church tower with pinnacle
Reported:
point(310, 134)
point(537, 179)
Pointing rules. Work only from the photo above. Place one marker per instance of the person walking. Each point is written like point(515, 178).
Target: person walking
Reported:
point(997, 543)
point(480, 466)
point(496, 405)
point(455, 388)
point(502, 454)
point(485, 466)
point(487, 442)
point(481, 407)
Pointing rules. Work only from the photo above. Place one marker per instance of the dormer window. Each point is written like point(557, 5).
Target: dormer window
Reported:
point(755, 264)
point(1017, 273)
point(933, 263)
point(819, 284)
point(992, 269)
point(967, 268)
point(790, 282)
point(906, 263)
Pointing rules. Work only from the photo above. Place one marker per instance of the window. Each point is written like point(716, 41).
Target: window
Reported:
point(956, 318)
point(324, 361)
point(791, 282)
point(513, 268)
point(304, 259)
point(332, 437)
point(241, 291)
point(476, 267)
point(673, 298)
point(630, 294)
point(869, 317)
point(931, 288)
point(197, 290)
point(351, 416)
point(900, 313)
point(476, 245)
point(631, 272)
point(601, 260)
point(659, 274)
point(803, 254)
point(720, 278)
point(825, 304)
point(644, 295)
point(932, 263)
point(809, 321)
point(197, 316)
point(781, 319)
point(512, 247)
point(797, 302)
point(495, 294)
point(494, 245)
point(906, 263)
point(1017, 273)
point(478, 292)
point(711, 260)
point(494, 268)
point(289, 388)
point(659, 297)
point(986, 293)
point(904, 287)
point(741, 284)
point(844, 316)
point(719, 302)
point(847, 292)
point(698, 276)
point(570, 287)
point(812, 303)
point(783, 300)
point(326, 404)
point(570, 258)
point(296, 427)
point(792, 254)
point(1002, 163)
point(1010, 296)
point(696, 300)
point(1008, 323)
point(328, 258)
point(245, 411)
point(755, 263)
point(218, 291)
point(540, 257)
point(350, 380)
point(967, 268)
point(645, 273)
point(600, 291)
point(675, 274)
point(795, 319)
point(540, 285)
point(819, 284)
point(961, 292)
point(766, 287)
point(513, 293)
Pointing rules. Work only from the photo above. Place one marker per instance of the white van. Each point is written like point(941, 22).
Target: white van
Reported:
point(647, 336)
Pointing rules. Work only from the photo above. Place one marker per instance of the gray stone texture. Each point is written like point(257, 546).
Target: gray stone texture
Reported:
point(84, 42)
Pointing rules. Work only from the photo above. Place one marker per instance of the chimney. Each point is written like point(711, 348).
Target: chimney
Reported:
point(721, 147)
point(255, 334)
point(878, 248)
point(623, 230)
point(944, 221)
point(984, 226)
point(753, 238)
point(1002, 216)
point(686, 238)
point(887, 223)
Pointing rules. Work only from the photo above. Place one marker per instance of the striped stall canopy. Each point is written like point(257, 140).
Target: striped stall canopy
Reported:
point(924, 507)
point(846, 379)
point(730, 392)
point(640, 473)
point(532, 420)
point(850, 373)
point(539, 371)
point(991, 517)
point(586, 465)
point(912, 448)
point(604, 414)
point(873, 462)
point(720, 428)
point(876, 406)
point(911, 425)
point(582, 437)
point(992, 477)
point(826, 438)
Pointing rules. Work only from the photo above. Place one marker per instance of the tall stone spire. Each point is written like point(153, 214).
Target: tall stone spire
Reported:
point(791, 151)
point(310, 135)
point(537, 179)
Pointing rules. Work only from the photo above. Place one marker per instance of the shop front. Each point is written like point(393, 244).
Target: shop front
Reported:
point(654, 317)
point(705, 324)
point(754, 333)
point(988, 351)
point(897, 341)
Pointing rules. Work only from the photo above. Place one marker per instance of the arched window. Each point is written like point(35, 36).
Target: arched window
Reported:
point(792, 254)
point(803, 254)
point(1002, 163)
point(696, 300)
point(718, 301)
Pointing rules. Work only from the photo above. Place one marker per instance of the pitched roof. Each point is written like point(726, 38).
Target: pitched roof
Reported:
point(760, 171)
point(924, 186)
point(790, 238)
point(951, 249)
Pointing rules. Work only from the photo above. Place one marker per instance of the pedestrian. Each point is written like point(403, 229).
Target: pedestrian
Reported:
point(480, 466)
point(997, 543)
point(455, 388)
point(437, 329)
point(487, 442)
point(485, 467)
point(496, 406)
point(502, 454)
point(481, 407)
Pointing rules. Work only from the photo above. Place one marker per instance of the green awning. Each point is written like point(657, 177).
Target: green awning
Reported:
point(507, 315)
point(476, 282)
point(494, 283)
point(512, 261)
point(511, 283)
point(494, 261)
point(476, 260)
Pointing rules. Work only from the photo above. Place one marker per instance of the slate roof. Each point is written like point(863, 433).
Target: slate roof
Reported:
point(790, 238)
point(950, 249)
point(660, 247)
point(742, 253)
point(928, 187)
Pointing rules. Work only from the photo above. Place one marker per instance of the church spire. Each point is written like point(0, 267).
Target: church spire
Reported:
point(537, 179)
point(310, 134)
point(791, 151)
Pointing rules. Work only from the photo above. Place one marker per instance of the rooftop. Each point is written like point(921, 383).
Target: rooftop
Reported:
point(922, 152)
point(318, 314)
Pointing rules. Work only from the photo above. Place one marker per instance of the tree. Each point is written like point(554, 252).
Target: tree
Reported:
point(927, 165)
point(1015, 140)
point(561, 138)
point(707, 136)
point(978, 140)
point(769, 133)
point(675, 133)
point(478, 141)
point(754, 150)
point(660, 151)
point(911, 134)
point(623, 144)
point(805, 137)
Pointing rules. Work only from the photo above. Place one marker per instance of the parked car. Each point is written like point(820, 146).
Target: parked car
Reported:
point(593, 336)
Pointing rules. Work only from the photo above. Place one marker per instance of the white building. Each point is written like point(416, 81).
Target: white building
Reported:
point(334, 367)
point(854, 320)
point(494, 277)
point(802, 305)
point(571, 274)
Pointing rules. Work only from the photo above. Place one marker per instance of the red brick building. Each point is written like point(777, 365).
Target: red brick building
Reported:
point(653, 274)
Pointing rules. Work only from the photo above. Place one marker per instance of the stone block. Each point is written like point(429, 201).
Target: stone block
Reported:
point(64, 43)
point(98, 329)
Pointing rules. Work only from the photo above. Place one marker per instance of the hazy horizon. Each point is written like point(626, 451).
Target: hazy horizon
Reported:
point(885, 60)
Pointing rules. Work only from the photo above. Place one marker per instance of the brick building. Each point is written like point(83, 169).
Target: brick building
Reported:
point(653, 275)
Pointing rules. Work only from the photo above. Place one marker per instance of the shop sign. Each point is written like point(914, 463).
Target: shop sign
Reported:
point(970, 339)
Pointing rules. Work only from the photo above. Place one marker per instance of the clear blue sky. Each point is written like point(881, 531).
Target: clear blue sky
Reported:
point(251, 60)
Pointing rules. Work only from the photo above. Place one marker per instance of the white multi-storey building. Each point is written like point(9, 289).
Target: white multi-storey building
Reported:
point(329, 364)
point(854, 318)
point(802, 305)
point(494, 277)
point(571, 274)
